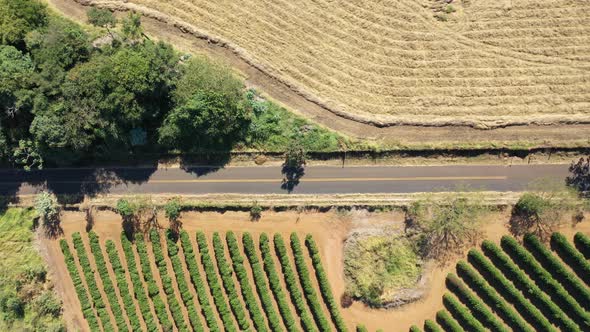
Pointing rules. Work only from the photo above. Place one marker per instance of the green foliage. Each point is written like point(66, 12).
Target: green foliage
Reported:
point(101, 17)
point(16, 70)
point(447, 322)
point(19, 17)
point(324, 284)
point(571, 256)
point(582, 242)
point(461, 314)
point(415, 328)
point(125, 208)
point(431, 326)
point(172, 209)
point(27, 156)
point(46, 206)
point(361, 328)
point(132, 30)
point(255, 212)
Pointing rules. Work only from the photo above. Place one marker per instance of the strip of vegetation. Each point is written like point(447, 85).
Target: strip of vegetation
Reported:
point(193, 269)
point(215, 288)
point(527, 287)
point(274, 282)
point(123, 287)
point(307, 285)
point(185, 294)
point(138, 289)
point(247, 293)
point(415, 328)
point(260, 282)
point(226, 273)
point(107, 283)
point(544, 280)
point(477, 307)
point(582, 242)
point(361, 328)
point(324, 283)
point(173, 304)
point(431, 326)
point(152, 286)
point(461, 314)
point(552, 264)
point(571, 256)
point(504, 287)
point(448, 323)
point(85, 304)
point(88, 271)
point(292, 284)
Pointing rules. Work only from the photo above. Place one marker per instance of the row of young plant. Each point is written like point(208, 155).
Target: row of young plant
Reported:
point(546, 281)
point(260, 282)
point(582, 242)
point(242, 274)
point(85, 304)
point(197, 281)
point(324, 283)
point(88, 272)
point(571, 256)
point(292, 284)
point(448, 323)
point(152, 286)
point(107, 284)
point(273, 279)
point(226, 273)
point(183, 288)
point(307, 286)
point(138, 290)
point(214, 287)
point(462, 314)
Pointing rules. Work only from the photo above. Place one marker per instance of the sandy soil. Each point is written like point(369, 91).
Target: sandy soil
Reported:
point(329, 229)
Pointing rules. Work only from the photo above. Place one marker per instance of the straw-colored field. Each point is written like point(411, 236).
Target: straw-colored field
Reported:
point(490, 63)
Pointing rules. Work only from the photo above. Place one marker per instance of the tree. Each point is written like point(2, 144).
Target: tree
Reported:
point(47, 208)
point(132, 30)
point(294, 165)
point(19, 17)
point(172, 211)
point(16, 69)
point(255, 212)
point(27, 155)
point(579, 177)
point(100, 17)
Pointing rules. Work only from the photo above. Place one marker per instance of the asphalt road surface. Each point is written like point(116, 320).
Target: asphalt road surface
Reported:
point(269, 180)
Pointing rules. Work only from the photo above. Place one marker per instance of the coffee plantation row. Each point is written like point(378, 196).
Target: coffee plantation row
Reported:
point(519, 287)
point(167, 281)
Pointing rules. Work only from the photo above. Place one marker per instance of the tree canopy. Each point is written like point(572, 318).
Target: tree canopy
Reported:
point(19, 17)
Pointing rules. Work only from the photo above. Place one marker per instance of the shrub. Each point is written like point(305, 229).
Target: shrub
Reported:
point(415, 328)
point(582, 242)
point(571, 256)
point(48, 304)
point(361, 328)
point(255, 212)
point(431, 326)
point(461, 314)
point(447, 322)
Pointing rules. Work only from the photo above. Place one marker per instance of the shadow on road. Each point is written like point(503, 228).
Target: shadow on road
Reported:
point(291, 177)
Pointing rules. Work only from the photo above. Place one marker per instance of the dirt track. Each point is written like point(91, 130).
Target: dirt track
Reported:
point(399, 135)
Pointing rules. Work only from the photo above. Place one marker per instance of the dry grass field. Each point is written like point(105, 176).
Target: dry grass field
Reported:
point(486, 64)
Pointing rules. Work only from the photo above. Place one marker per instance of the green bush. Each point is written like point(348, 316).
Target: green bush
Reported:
point(193, 269)
point(461, 314)
point(571, 256)
point(273, 280)
point(242, 274)
point(431, 326)
point(307, 285)
point(552, 264)
point(85, 304)
point(361, 328)
point(582, 242)
point(292, 284)
point(215, 288)
point(527, 287)
point(324, 283)
point(447, 322)
point(415, 328)
point(491, 297)
point(88, 271)
point(546, 282)
point(475, 305)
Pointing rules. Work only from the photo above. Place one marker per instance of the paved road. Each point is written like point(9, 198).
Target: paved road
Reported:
point(267, 180)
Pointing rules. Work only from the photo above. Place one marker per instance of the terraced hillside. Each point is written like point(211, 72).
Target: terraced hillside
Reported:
point(392, 62)
point(197, 283)
point(528, 287)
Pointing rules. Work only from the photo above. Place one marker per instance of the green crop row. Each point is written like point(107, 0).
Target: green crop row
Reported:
point(447, 322)
point(475, 304)
point(174, 306)
point(259, 281)
point(528, 288)
point(324, 283)
point(85, 304)
point(558, 271)
point(153, 290)
point(415, 328)
point(361, 328)
point(88, 271)
point(215, 288)
point(491, 297)
point(226, 273)
point(107, 283)
point(431, 326)
point(461, 314)
point(582, 242)
point(307, 285)
point(291, 281)
point(138, 289)
point(546, 281)
point(273, 281)
point(201, 289)
point(122, 285)
point(183, 288)
point(571, 256)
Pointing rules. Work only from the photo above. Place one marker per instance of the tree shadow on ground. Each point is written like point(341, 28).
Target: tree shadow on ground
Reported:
point(202, 164)
point(291, 177)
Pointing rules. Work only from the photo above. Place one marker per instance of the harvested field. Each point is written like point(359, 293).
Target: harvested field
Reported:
point(392, 62)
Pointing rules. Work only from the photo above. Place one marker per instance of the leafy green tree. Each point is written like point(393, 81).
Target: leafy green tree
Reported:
point(101, 17)
point(16, 69)
point(27, 155)
point(19, 17)
point(46, 206)
point(534, 214)
point(172, 211)
point(132, 29)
